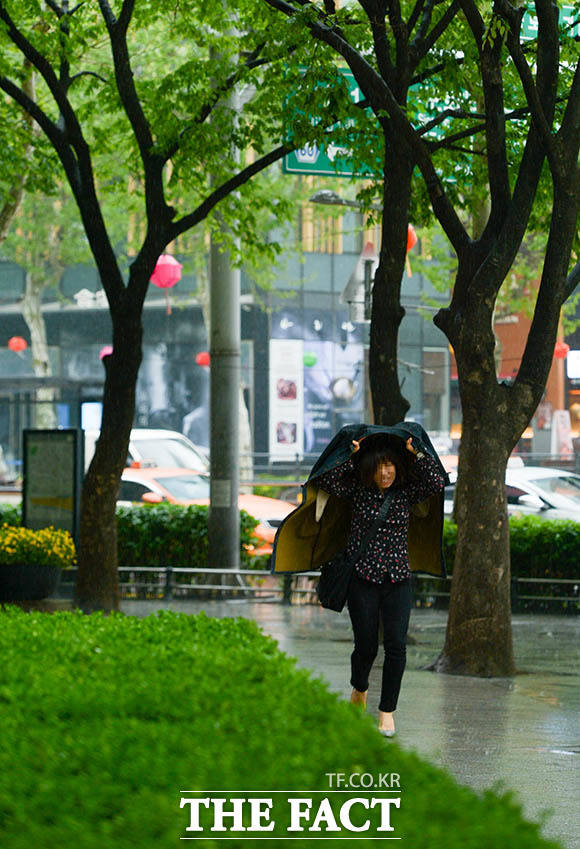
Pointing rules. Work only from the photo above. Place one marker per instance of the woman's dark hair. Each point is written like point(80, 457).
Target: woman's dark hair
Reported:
point(375, 450)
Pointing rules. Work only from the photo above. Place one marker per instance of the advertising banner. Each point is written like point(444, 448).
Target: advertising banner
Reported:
point(286, 399)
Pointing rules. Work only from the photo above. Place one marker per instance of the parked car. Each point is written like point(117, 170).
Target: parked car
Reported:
point(537, 491)
point(187, 486)
point(156, 447)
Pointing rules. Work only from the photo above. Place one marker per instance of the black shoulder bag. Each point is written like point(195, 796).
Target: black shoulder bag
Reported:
point(335, 575)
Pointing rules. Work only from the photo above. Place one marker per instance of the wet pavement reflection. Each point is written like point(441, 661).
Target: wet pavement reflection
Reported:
point(520, 734)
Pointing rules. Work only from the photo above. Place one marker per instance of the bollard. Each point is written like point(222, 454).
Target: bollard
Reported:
point(287, 590)
point(168, 589)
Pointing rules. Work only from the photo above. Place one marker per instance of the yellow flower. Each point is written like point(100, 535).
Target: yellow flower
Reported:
point(45, 547)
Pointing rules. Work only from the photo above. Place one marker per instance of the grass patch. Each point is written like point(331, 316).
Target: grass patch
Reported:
point(106, 719)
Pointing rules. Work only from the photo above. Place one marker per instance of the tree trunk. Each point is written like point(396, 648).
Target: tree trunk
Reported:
point(97, 586)
point(45, 413)
point(479, 639)
point(389, 404)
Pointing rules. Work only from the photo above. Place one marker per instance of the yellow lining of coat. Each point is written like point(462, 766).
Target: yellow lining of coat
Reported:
point(303, 544)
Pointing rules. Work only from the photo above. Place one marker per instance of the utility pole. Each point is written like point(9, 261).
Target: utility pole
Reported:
point(225, 377)
point(225, 334)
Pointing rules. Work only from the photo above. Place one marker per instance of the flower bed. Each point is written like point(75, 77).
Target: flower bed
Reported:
point(45, 547)
point(31, 562)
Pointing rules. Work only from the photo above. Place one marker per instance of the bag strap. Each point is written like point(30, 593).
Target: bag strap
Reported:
point(381, 515)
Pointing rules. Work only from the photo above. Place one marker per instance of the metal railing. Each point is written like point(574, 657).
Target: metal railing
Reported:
point(170, 582)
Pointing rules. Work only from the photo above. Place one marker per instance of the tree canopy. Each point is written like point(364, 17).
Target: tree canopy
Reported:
point(135, 100)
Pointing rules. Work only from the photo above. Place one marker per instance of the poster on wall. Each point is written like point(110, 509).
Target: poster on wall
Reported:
point(286, 399)
point(561, 434)
point(333, 390)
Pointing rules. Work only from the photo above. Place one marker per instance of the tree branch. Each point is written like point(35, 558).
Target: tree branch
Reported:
point(476, 128)
point(15, 192)
point(490, 50)
point(252, 61)
point(379, 31)
point(422, 45)
point(415, 15)
point(547, 48)
point(126, 82)
point(401, 36)
point(80, 177)
point(88, 74)
point(444, 144)
point(180, 226)
point(55, 135)
point(570, 128)
point(107, 13)
point(449, 113)
point(48, 74)
point(58, 10)
point(159, 213)
point(126, 14)
point(381, 98)
point(572, 281)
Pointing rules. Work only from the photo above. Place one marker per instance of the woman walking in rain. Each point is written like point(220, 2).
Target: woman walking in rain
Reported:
point(381, 465)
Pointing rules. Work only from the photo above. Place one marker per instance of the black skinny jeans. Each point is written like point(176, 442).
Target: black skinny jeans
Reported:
point(393, 600)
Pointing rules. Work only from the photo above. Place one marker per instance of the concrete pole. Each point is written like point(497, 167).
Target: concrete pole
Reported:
point(225, 336)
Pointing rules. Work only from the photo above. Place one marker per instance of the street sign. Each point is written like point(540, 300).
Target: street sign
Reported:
point(567, 16)
point(330, 161)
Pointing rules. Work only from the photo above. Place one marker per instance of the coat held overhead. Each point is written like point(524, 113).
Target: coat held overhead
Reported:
point(318, 529)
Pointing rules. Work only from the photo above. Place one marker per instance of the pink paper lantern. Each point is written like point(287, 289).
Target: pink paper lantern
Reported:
point(105, 351)
point(17, 344)
point(561, 350)
point(202, 359)
point(167, 272)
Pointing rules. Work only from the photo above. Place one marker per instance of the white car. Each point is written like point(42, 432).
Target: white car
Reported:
point(156, 447)
point(537, 491)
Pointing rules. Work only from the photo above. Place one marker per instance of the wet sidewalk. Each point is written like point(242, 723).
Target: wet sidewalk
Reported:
point(521, 733)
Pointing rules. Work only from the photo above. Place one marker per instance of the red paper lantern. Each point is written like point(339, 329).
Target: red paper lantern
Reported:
point(105, 351)
point(17, 344)
point(167, 272)
point(202, 359)
point(411, 237)
point(561, 350)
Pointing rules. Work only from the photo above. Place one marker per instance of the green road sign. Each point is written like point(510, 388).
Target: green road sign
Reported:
point(331, 160)
point(567, 16)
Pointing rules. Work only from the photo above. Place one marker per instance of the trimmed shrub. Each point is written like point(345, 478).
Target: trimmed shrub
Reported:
point(172, 535)
point(539, 548)
point(545, 548)
point(105, 720)
point(10, 514)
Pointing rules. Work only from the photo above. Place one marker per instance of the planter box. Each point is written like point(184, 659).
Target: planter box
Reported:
point(27, 582)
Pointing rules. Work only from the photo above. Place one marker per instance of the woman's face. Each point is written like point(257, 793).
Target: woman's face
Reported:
point(385, 474)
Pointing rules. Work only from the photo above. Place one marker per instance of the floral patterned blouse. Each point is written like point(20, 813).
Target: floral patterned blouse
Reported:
point(387, 554)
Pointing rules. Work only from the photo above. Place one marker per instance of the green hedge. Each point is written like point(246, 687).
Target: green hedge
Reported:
point(539, 548)
point(164, 535)
point(10, 514)
point(172, 535)
point(105, 720)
